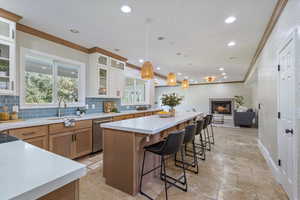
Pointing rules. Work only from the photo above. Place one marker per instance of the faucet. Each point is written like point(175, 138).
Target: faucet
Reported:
point(61, 99)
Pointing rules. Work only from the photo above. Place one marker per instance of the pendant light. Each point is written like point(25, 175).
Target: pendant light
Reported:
point(210, 79)
point(185, 84)
point(171, 79)
point(147, 68)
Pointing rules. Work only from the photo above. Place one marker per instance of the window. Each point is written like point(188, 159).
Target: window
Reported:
point(134, 92)
point(47, 79)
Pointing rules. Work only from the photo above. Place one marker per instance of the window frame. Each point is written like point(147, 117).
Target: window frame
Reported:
point(82, 71)
point(147, 92)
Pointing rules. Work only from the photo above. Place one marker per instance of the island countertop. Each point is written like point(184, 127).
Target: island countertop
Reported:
point(150, 124)
point(28, 172)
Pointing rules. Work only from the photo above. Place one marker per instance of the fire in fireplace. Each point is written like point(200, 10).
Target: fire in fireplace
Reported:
point(221, 107)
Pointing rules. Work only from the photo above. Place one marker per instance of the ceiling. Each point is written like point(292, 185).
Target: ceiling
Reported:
point(193, 28)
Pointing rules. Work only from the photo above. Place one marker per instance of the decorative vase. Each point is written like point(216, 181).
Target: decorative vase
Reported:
point(172, 111)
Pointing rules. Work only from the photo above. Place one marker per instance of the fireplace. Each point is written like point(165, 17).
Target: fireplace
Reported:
point(221, 106)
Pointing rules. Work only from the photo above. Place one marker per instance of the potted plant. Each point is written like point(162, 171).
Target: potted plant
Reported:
point(172, 100)
point(239, 101)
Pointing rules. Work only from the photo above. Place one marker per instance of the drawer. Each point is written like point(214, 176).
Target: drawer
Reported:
point(139, 115)
point(60, 127)
point(148, 113)
point(122, 117)
point(27, 133)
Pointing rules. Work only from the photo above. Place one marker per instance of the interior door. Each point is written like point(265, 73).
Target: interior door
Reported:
point(286, 120)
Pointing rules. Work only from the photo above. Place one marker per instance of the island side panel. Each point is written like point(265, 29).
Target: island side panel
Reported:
point(118, 159)
point(67, 192)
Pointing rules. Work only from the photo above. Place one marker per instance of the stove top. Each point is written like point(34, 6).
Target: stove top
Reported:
point(4, 138)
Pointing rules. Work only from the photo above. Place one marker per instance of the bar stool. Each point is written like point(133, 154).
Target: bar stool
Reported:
point(206, 133)
point(212, 135)
point(202, 144)
point(170, 146)
point(189, 137)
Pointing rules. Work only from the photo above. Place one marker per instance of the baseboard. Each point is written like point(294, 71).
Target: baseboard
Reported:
point(270, 162)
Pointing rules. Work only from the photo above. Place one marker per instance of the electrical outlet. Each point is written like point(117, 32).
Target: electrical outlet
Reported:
point(15, 108)
point(87, 106)
point(93, 106)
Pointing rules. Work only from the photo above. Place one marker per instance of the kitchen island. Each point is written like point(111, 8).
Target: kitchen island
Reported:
point(28, 172)
point(123, 147)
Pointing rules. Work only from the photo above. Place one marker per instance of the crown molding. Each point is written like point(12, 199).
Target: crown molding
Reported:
point(9, 15)
point(280, 5)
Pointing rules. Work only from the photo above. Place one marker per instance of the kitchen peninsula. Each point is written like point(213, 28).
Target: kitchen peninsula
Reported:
point(123, 146)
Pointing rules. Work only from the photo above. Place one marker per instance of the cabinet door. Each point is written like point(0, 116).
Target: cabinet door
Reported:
point(116, 78)
point(7, 67)
point(7, 29)
point(83, 142)
point(62, 144)
point(102, 81)
point(41, 142)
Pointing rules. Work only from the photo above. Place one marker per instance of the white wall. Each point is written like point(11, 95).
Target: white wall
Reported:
point(266, 67)
point(197, 96)
point(267, 76)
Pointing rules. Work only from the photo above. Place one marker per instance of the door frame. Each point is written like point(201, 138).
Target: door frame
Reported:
point(293, 39)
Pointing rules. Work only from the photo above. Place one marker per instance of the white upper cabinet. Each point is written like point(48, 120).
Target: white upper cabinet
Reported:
point(105, 77)
point(7, 57)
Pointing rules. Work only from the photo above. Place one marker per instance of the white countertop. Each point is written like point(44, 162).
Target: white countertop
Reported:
point(28, 172)
point(52, 120)
point(150, 124)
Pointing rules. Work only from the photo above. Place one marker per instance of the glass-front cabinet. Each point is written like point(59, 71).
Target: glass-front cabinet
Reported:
point(7, 56)
point(103, 81)
point(7, 29)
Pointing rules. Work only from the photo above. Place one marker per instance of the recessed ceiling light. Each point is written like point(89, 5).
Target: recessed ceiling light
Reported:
point(186, 77)
point(178, 54)
point(221, 69)
point(223, 74)
point(141, 60)
point(161, 38)
point(158, 68)
point(126, 9)
point(117, 49)
point(74, 31)
point(230, 20)
point(231, 44)
point(179, 74)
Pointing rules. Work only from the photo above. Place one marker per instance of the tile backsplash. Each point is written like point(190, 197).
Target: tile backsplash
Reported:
point(10, 101)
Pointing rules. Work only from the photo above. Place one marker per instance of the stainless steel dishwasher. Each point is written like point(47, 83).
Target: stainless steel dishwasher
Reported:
point(98, 133)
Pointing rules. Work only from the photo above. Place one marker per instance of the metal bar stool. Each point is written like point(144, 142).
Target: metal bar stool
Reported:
point(206, 133)
point(170, 146)
point(212, 135)
point(189, 137)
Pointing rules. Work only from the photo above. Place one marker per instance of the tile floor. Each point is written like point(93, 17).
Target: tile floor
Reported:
point(233, 170)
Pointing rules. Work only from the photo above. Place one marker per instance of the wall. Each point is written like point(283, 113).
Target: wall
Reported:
point(45, 46)
point(267, 76)
point(197, 96)
point(266, 67)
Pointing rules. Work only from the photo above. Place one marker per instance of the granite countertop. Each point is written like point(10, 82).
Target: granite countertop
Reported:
point(54, 120)
point(150, 124)
point(28, 172)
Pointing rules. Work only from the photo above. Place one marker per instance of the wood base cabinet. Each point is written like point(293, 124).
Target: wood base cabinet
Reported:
point(72, 144)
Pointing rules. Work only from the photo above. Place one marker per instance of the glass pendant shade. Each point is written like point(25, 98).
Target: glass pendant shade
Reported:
point(171, 81)
point(147, 71)
point(185, 84)
point(210, 79)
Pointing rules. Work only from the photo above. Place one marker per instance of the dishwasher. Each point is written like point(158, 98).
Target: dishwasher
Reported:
point(98, 133)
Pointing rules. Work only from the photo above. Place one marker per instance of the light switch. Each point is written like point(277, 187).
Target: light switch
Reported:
point(15, 108)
